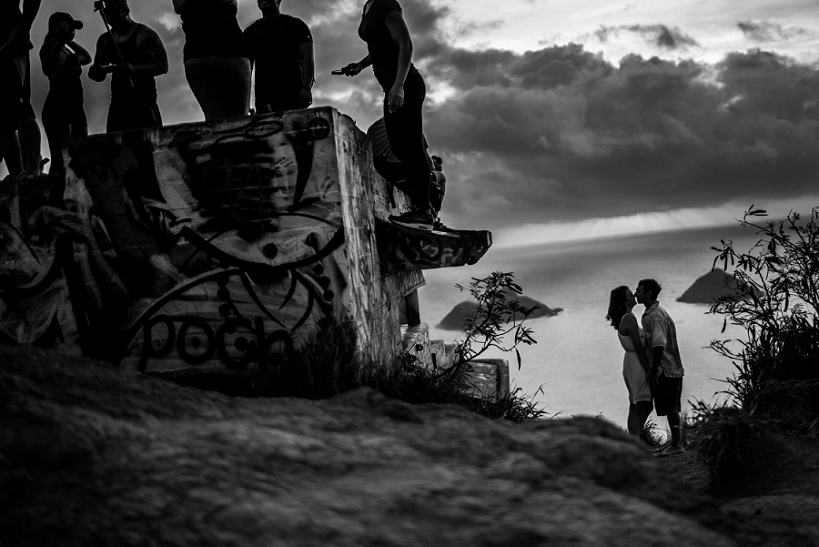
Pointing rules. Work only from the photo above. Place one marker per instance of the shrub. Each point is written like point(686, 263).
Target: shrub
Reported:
point(329, 364)
point(776, 302)
point(725, 440)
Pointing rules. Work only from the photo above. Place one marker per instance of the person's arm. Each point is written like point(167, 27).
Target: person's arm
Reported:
point(152, 45)
point(353, 69)
point(18, 39)
point(102, 64)
point(51, 55)
point(308, 73)
point(629, 328)
point(83, 57)
point(658, 341)
point(400, 33)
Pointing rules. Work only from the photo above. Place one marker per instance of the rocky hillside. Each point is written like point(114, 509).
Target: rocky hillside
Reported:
point(93, 457)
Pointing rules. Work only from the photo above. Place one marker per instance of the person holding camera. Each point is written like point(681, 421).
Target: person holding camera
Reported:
point(62, 59)
point(19, 132)
point(134, 55)
point(281, 48)
point(216, 64)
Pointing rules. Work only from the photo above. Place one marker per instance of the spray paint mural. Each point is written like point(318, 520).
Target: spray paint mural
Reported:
point(181, 246)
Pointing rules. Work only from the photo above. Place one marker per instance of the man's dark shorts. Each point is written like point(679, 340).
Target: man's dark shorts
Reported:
point(667, 395)
point(15, 95)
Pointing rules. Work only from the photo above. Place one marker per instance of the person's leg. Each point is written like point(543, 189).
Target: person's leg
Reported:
point(632, 421)
point(637, 415)
point(10, 113)
point(55, 134)
point(28, 133)
point(10, 150)
point(667, 398)
point(644, 409)
point(675, 424)
point(406, 137)
point(234, 88)
point(220, 85)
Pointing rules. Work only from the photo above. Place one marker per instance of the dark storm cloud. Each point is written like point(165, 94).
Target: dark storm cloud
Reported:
point(658, 35)
point(556, 133)
point(560, 132)
point(766, 31)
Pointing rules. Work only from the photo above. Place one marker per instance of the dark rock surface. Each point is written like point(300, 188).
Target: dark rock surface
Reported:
point(454, 320)
point(89, 456)
point(707, 288)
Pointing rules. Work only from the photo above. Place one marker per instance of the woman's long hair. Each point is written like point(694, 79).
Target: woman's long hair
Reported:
point(617, 306)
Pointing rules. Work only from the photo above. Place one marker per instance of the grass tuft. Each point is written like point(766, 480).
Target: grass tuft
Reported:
point(329, 365)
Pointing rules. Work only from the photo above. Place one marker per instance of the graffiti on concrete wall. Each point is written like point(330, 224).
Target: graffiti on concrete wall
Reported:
point(184, 246)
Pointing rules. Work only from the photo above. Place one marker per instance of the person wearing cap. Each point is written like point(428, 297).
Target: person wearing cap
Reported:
point(134, 58)
point(62, 59)
point(216, 64)
point(281, 48)
point(19, 132)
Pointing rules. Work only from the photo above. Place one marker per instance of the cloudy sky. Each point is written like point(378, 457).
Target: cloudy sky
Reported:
point(559, 118)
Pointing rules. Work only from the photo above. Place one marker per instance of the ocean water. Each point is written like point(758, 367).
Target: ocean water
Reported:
point(576, 366)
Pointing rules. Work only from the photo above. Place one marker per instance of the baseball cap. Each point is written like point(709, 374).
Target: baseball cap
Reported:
point(60, 17)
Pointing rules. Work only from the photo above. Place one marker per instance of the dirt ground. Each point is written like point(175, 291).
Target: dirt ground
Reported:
point(775, 503)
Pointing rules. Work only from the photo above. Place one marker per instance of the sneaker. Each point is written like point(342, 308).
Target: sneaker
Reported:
point(414, 219)
point(438, 226)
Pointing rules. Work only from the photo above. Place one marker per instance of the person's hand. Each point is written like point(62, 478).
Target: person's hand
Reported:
point(64, 33)
point(305, 97)
point(15, 45)
point(352, 69)
point(395, 98)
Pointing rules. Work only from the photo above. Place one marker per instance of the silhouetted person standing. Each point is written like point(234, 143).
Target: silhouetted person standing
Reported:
point(133, 83)
point(389, 47)
point(281, 48)
point(19, 132)
point(62, 59)
point(666, 365)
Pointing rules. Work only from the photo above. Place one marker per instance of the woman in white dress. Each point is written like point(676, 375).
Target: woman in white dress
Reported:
point(635, 361)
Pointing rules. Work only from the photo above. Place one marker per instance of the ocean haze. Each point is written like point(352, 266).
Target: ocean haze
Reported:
point(577, 362)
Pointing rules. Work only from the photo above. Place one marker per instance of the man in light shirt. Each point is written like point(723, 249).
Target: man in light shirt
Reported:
point(666, 365)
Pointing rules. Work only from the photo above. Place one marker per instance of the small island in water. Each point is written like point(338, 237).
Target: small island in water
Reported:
point(709, 287)
point(454, 320)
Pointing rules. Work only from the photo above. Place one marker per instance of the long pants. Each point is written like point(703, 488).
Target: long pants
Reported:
point(221, 85)
point(405, 130)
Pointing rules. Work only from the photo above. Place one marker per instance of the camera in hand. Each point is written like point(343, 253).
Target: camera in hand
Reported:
point(348, 70)
point(99, 5)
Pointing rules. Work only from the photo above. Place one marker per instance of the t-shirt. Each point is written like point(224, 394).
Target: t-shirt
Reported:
point(122, 93)
point(211, 30)
point(660, 330)
point(381, 46)
point(274, 47)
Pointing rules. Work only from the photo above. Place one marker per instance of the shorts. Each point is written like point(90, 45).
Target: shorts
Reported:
point(133, 116)
point(667, 395)
point(58, 111)
point(15, 93)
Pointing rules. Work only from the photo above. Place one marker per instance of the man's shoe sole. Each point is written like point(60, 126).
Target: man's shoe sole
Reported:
point(416, 225)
